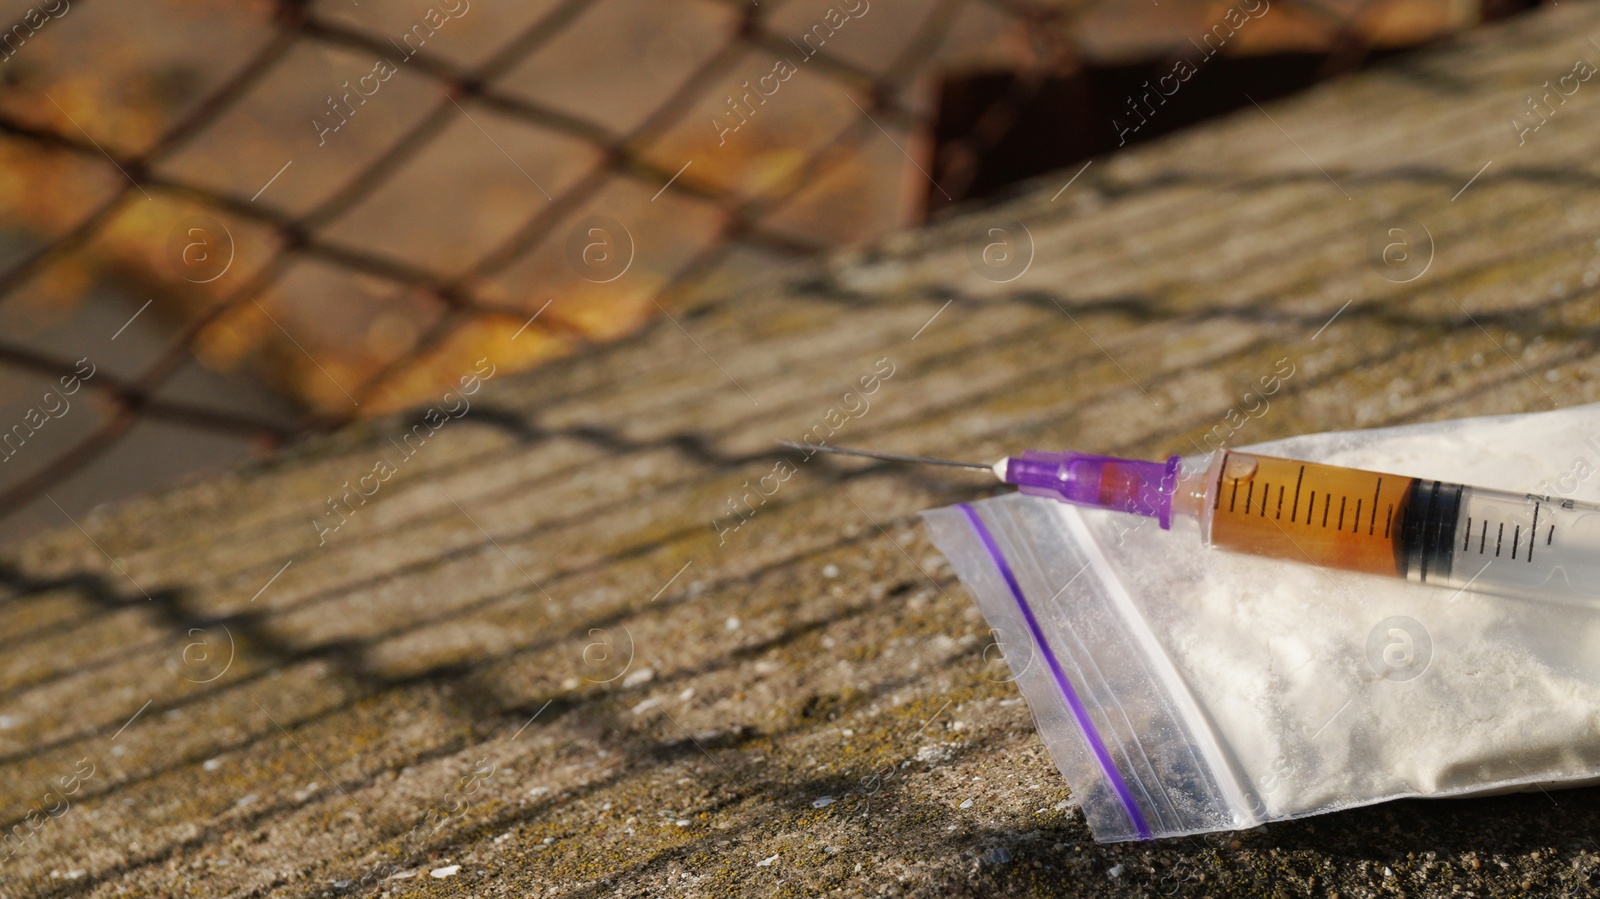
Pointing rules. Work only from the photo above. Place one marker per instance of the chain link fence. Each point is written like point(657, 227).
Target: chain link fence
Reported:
point(350, 203)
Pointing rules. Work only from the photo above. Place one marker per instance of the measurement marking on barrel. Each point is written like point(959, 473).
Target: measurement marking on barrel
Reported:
point(1373, 524)
point(1295, 512)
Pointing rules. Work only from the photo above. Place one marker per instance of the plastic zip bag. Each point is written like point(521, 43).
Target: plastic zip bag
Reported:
point(1183, 690)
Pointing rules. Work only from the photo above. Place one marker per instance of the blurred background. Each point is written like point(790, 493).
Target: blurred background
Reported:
point(225, 225)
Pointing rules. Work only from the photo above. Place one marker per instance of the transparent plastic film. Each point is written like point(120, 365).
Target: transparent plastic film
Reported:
point(1184, 690)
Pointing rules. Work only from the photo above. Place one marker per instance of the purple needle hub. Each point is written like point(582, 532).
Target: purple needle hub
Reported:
point(1105, 482)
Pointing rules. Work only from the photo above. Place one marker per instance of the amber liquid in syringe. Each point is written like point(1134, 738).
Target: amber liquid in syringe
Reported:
point(1320, 514)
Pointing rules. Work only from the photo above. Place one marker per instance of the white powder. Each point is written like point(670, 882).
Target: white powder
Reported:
point(1331, 689)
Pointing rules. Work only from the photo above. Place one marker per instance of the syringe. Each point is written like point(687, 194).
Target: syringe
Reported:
point(1427, 532)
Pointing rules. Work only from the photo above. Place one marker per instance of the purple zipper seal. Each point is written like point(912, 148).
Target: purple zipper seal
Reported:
point(1096, 745)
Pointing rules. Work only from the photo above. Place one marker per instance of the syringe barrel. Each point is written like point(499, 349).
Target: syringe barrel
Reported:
point(1425, 531)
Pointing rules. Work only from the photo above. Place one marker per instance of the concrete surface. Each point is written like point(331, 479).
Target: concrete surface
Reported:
point(563, 645)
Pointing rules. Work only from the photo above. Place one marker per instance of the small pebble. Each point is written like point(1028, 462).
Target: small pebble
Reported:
point(823, 801)
point(1115, 870)
point(966, 803)
point(830, 571)
point(732, 624)
point(766, 862)
point(442, 873)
